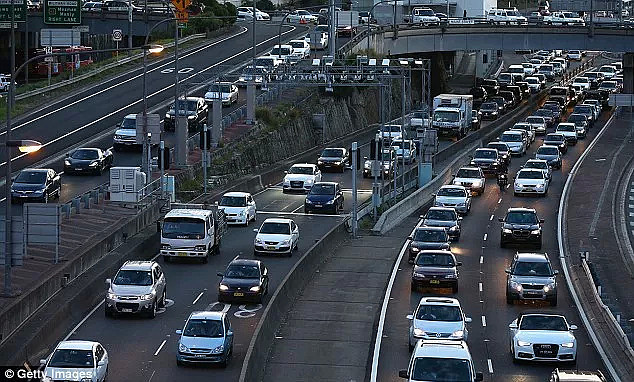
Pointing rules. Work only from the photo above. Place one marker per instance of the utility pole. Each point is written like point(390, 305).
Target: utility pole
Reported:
point(179, 146)
point(129, 28)
point(354, 189)
point(254, 43)
point(205, 164)
point(332, 43)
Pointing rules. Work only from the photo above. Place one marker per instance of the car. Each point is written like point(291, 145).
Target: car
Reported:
point(119, 6)
point(125, 135)
point(276, 236)
point(518, 69)
point(389, 133)
point(526, 127)
point(441, 360)
point(558, 68)
point(574, 55)
point(88, 160)
point(536, 61)
point(301, 16)
point(453, 196)
point(515, 142)
point(92, 6)
point(36, 185)
point(489, 161)
point(529, 69)
point(490, 85)
point(437, 317)
point(595, 79)
point(542, 337)
point(597, 105)
point(301, 49)
point(538, 122)
point(418, 119)
point(324, 197)
point(246, 13)
point(225, 91)
point(608, 71)
point(521, 225)
point(502, 103)
point(424, 238)
point(550, 154)
point(504, 152)
point(5, 81)
point(576, 376)
point(472, 178)
point(444, 217)
point(535, 18)
point(425, 16)
point(239, 207)
point(251, 74)
point(505, 16)
point(558, 140)
point(547, 70)
point(569, 131)
point(71, 358)
point(539, 164)
point(534, 84)
point(548, 115)
point(138, 287)
point(405, 150)
point(581, 124)
point(196, 110)
point(206, 338)
point(333, 158)
point(476, 119)
point(510, 98)
point(558, 105)
point(243, 280)
point(283, 54)
point(301, 177)
point(386, 163)
point(489, 110)
point(435, 269)
point(365, 18)
point(578, 93)
point(530, 181)
point(602, 96)
point(531, 277)
point(505, 79)
point(609, 86)
point(542, 78)
point(582, 81)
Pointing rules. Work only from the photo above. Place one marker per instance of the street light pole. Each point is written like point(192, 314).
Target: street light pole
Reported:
point(369, 18)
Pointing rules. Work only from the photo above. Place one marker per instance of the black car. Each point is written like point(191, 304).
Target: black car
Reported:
point(88, 160)
point(587, 110)
point(490, 110)
point(516, 90)
point(476, 119)
point(324, 197)
point(425, 238)
point(333, 158)
point(558, 140)
point(510, 98)
point(601, 95)
point(503, 151)
point(490, 85)
point(595, 79)
point(435, 269)
point(36, 185)
point(526, 90)
point(244, 279)
point(555, 108)
point(196, 110)
point(489, 161)
point(521, 225)
point(478, 92)
point(502, 103)
point(548, 116)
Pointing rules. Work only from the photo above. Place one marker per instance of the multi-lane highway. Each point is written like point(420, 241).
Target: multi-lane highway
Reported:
point(483, 283)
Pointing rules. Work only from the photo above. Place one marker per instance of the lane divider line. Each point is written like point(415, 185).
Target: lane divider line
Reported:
point(490, 365)
point(480, 287)
point(486, 235)
point(198, 298)
point(484, 322)
point(491, 218)
point(481, 259)
point(159, 348)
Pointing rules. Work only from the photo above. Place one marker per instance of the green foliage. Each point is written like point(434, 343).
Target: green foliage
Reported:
point(201, 24)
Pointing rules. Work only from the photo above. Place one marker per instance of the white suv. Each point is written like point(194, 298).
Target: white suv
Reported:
point(506, 16)
point(5, 80)
point(138, 287)
point(441, 360)
point(437, 317)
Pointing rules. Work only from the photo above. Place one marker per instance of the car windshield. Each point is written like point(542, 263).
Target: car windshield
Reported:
point(581, 80)
point(576, 117)
point(537, 322)
point(607, 69)
point(532, 268)
point(242, 271)
point(566, 127)
point(547, 151)
point(220, 88)
point(203, 328)
point(441, 215)
point(521, 218)
point(183, 228)
point(280, 51)
point(185, 105)
point(424, 12)
point(530, 175)
point(498, 100)
point(435, 260)
point(453, 192)
point(332, 153)
point(72, 358)
point(468, 173)
point(511, 138)
point(233, 201)
point(485, 154)
point(500, 147)
point(489, 106)
point(608, 85)
point(322, 189)
point(429, 235)
point(545, 68)
point(592, 75)
point(129, 123)
point(133, 277)
point(535, 120)
point(522, 126)
point(276, 228)
point(532, 80)
point(438, 313)
point(583, 109)
point(446, 116)
point(544, 113)
point(85, 154)
point(402, 144)
point(504, 77)
point(537, 164)
point(301, 170)
point(265, 62)
point(31, 177)
point(555, 138)
point(441, 369)
point(296, 44)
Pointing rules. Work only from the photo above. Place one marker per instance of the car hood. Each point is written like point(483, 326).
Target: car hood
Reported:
point(330, 159)
point(450, 200)
point(320, 198)
point(524, 182)
point(130, 290)
point(423, 245)
point(232, 210)
point(69, 373)
point(538, 280)
point(439, 326)
point(188, 113)
point(544, 336)
point(213, 95)
point(521, 226)
point(202, 342)
point(514, 145)
point(568, 133)
point(27, 187)
point(81, 161)
point(546, 157)
point(272, 237)
point(439, 223)
point(435, 271)
point(294, 177)
point(553, 143)
point(486, 161)
point(126, 132)
point(240, 282)
point(459, 181)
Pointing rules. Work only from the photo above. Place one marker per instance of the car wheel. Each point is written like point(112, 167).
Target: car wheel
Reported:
point(509, 299)
point(152, 312)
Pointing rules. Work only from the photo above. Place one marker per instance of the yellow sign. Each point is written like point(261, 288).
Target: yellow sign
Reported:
point(182, 16)
point(181, 5)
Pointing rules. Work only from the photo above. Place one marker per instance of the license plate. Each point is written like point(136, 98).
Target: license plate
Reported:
point(434, 281)
point(270, 247)
point(238, 294)
point(126, 310)
point(78, 169)
point(200, 355)
point(182, 254)
point(318, 205)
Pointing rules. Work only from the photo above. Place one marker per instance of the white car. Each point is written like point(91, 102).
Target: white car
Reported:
point(526, 127)
point(564, 18)
point(239, 207)
point(505, 16)
point(246, 13)
point(301, 16)
point(251, 74)
point(581, 81)
point(539, 164)
point(125, 135)
point(301, 177)
point(534, 84)
point(608, 71)
point(390, 133)
point(276, 236)
point(283, 53)
point(538, 122)
point(437, 317)
point(425, 16)
point(574, 55)
point(471, 178)
point(301, 49)
point(515, 141)
point(529, 69)
point(226, 91)
point(76, 360)
point(441, 360)
point(542, 337)
point(5, 80)
point(569, 131)
point(320, 41)
point(530, 181)
point(456, 197)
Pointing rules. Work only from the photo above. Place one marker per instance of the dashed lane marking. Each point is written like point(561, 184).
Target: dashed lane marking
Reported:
point(480, 287)
point(490, 365)
point(198, 298)
point(484, 322)
point(160, 347)
point(481, 259)
point(500, 201)
point(491, 218)
point(485, 236)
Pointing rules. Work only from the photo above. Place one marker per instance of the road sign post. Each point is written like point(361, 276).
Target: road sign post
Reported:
point(62, 12)
point(49, 50)
point(117, 35)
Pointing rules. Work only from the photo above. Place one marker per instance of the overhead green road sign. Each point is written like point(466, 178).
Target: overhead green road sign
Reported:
point(62, 12)
point(5, 10)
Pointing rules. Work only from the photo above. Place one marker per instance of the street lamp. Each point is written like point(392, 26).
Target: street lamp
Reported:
point(370, 18)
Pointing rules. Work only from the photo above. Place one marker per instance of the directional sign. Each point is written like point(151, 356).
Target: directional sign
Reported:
point(117, 35)
point(62, 12)
point(5, 10)
point(60, 37)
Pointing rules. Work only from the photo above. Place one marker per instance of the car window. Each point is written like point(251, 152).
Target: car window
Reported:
point(438, 313)
point(485, 154)
point(301, 170)
point(203, 328)
point(69, 358)
point(233, 201)
point(453, 192)
point(519, 217)
point(536, 164)
point(133, 277)
point(428, 235)
point(468, 173)
point(441, 369)
point(547, 151)
point(275, 228)
point(435, 260)
point(532, 268)
point(537, 322)
point(530, 175)
point(441, 215)
point(31, 177)
point(242, 271)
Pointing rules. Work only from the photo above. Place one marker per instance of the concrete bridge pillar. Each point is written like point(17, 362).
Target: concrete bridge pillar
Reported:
point(628, 73)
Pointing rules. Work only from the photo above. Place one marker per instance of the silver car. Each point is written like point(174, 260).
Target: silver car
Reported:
point(454, 196)
point(138, 287)
point(516, 142)
point(531, 277)
point(472, 178)
point(206, 338)
point(437, 317)
point(539, 124)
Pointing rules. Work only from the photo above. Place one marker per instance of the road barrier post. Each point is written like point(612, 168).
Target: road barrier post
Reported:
point(354, 189)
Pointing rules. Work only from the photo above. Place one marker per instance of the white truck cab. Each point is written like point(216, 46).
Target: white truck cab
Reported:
point(505, 16)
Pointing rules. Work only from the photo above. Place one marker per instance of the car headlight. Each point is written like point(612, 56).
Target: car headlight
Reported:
point(568, 345)
point(111, 296)
point(419, 275)
point(536, 232)
point(93, 164)
point(166, 246)
point(241, 213)
point(419, 332)
point(223, 287)
point(451, 276)
point(320, 162)
point(148, 296)
point(367, 166)
point(191, 117)
point(457, 334)
point(462, 204)
point(168, 116)
point(476, 183)
point(255, 288)
point(40, 191)
point(506, 230)
point(515, 285)
point(183, 348)
point(453, 229)
point(286, 242)
point(218, 349)
point(308, 201)
point(523, 343)
point(66, 162)
point(549, 287)
point(258, 241)
point(330, 202)
point(414, 249)
point(541, 185)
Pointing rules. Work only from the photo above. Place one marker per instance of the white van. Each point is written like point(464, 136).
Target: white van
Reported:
point(506, 16)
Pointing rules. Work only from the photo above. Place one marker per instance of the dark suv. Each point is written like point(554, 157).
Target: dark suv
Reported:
point(435, 269)
point(333, 158)
point(425, 238)
point(489, 161)
point(521, 225)
point(244, 279)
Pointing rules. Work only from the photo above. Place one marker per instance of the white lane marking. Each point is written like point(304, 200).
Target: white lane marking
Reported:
point(631, 214)
point(631, 206)
point(481, 259)
point(82, 321)
point(600, 160)
point(198, 298)
point(297, 214)
point(138, 101)
point(480, 287)
point(500, 201)
point(159, 348)
point(484, 322)
point(386, 300)
point(490, 365)
point(225, 307)
point(152, 376)
point(297, 209)
point(491, 218)
point(485, 236)
point(508, 185)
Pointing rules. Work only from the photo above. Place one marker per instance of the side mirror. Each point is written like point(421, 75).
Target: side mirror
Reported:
point(410, 237)
point(410, 317)
point(108, 282)
point(101, 363)
point(285, 172)
point(67, 155)
point(501, 220)
point(513, 325)
point(458, 263)
point(365, 158)
point(468, 320)
point(179, 331)
point(460, 218)
point(220, 274)
point(541, 220)
point(573, 327)
point(555, 272)
point(229, 333)
point(508, 271)
point(255, 230)
point(421, 216)
point(403, 374)
point(118, 125)
point(43, 361)
point(479, 377)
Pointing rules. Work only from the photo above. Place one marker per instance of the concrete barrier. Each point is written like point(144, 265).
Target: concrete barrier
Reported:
point(283, 299)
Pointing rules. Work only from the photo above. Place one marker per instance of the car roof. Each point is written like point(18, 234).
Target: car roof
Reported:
point(511, 131)
point(207, 315)
point(35, 169)
point(521, 209)
point(441, 209)
point(240, 261)
point(529, 170)
point(304, 165)
point(442, 349)
point(76, 345)
point(326, 183)
point(579, 376)
point(436, 252)
point(453, 186)
point(469, 168)
point(537, 160)
point(532, 257)
point(237, 194)
point(130, 116)
point(137, 265)
point(428, 228)
point(439, 301)
point(549, 147)
point(194, 213)
point(277, 220)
